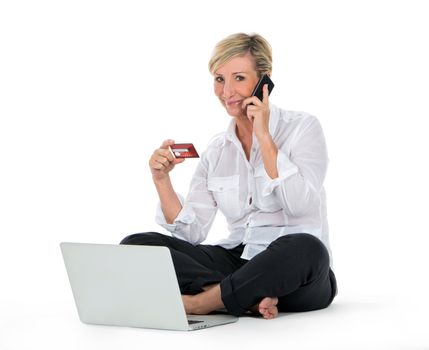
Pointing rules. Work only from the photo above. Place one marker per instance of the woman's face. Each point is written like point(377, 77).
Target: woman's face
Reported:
point(234, 81)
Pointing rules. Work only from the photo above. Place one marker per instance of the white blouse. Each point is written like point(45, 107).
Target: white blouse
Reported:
point(258, 209)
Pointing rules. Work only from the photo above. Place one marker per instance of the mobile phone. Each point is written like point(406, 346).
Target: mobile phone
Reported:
point(265, 79)
point(184, 150)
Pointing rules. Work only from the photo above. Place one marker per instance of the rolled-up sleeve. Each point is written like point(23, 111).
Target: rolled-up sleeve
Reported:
point(285, 168)
point(198, 211)
point(185, 216)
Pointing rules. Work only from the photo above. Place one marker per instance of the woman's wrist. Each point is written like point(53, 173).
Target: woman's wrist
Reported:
point(269, 153)
point(264, 138)
point(160, 181)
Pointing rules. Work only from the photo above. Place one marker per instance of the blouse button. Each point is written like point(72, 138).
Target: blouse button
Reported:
point(250, 201)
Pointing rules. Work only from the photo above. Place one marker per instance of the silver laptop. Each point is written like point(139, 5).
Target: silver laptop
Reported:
point(129, 285)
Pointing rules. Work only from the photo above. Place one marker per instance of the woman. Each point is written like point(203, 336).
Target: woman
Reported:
point(265, 174)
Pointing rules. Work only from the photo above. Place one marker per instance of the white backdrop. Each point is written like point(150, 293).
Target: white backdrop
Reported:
point(88, 89)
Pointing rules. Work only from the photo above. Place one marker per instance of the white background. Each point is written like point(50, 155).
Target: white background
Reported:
point(88, 89)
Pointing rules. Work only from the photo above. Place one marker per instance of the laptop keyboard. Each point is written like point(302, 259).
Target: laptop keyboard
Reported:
point(193, 322)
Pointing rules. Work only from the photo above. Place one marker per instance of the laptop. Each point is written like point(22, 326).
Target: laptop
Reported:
point(130, 285)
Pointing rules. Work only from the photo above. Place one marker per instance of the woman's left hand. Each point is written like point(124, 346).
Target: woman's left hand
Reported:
point(259, 113)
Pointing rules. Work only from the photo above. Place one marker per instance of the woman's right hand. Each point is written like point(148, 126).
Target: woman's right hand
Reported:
point(162, 161)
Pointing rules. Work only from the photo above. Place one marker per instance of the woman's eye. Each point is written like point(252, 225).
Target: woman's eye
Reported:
point(239, 78)
point(219, 79)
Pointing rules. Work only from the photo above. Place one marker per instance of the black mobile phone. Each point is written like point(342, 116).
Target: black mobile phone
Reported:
point(258, 88)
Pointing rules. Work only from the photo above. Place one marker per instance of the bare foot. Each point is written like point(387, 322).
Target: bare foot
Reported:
point(188, 303)
point(267, 307)
point(205, 302)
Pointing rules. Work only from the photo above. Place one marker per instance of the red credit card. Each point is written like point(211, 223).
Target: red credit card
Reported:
point(184, 150)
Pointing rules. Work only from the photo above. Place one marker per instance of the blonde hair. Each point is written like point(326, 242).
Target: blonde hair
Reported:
point(240, 44)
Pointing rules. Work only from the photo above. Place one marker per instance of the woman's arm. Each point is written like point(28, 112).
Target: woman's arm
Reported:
point(189, 219)
point(170, 203)
point(161, 163)
point(301, 171)
point(269, 153)
point(259, 112)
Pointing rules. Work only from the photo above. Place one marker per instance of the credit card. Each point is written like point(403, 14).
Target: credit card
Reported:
point(184, 150)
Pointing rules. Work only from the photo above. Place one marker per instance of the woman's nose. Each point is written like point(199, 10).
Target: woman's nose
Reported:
point(228, 90)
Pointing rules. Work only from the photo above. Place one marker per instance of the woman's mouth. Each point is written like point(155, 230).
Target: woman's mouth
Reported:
point(233, 103)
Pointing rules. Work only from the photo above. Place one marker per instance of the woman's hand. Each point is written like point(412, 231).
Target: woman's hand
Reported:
point(259, 113)
point(162, 161)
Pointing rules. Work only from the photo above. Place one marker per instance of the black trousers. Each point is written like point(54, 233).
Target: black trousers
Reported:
point(294, 268)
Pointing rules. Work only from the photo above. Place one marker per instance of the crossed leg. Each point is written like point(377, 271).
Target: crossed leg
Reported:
point(291, 275)
point(210, 300)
